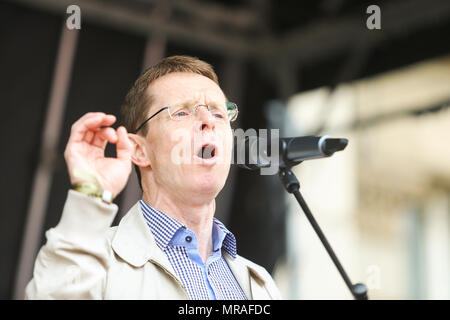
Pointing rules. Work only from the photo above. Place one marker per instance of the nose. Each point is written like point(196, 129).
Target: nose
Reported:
point(206, 118)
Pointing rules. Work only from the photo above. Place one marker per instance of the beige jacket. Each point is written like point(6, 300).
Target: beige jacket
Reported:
point(85, 258)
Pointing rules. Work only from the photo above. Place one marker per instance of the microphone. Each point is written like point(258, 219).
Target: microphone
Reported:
point(252, 153)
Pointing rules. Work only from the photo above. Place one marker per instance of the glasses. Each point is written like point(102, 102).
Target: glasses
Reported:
point(189, 112)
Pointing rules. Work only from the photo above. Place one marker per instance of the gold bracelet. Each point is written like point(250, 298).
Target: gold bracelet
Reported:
point(91, 187)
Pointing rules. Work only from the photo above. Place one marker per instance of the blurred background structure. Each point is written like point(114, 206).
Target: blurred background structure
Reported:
point(305, 67)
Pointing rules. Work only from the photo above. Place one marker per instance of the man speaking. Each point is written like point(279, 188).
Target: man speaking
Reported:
point(169, 245)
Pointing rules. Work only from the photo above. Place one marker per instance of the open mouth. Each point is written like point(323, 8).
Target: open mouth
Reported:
point(207, 151)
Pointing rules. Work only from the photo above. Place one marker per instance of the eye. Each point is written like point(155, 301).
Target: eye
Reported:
point(219, 114)
point(181, 113)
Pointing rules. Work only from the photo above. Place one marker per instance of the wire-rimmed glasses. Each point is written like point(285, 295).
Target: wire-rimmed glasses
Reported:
point(187, 112)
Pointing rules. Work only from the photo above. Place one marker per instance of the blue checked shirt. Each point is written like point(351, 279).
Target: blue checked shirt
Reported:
point(210, 280)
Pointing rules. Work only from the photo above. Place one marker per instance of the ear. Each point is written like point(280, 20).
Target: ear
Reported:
point(139, 154)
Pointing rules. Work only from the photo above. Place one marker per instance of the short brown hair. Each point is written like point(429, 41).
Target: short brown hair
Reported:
point(137, 101)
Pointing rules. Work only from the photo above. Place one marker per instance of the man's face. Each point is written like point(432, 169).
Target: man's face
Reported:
point(173, 147)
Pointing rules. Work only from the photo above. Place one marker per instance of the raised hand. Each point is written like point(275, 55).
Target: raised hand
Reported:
point(85, 151)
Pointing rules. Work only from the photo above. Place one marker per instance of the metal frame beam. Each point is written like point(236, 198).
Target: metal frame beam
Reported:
point(43, 176)
point(320, 40)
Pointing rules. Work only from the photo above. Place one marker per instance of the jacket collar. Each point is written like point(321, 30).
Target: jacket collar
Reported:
point(135, 243)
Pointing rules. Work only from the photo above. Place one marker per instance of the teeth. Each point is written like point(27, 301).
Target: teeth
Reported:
point(207, 152)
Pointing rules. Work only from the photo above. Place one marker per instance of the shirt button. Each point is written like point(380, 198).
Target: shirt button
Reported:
point(188, 238)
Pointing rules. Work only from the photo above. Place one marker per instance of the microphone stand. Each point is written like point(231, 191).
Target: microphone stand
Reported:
point(291, 184)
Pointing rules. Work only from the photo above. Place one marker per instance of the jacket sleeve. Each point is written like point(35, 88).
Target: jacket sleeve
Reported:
point(74, 261)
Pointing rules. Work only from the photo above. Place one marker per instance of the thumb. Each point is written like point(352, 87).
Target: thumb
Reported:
point(124, 147)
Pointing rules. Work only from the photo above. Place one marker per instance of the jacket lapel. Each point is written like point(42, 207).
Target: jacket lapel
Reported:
point(249, 278)
point(240, 272)
point(134, 242)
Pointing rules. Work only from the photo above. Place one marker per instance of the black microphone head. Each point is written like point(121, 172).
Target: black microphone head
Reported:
point(331, 145)
point(252, 152)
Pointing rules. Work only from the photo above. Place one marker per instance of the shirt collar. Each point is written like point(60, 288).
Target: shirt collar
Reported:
point(224, 238)
point(164, 229)
point(161, 225)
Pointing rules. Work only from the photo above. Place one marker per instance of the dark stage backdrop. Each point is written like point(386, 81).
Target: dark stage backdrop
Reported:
point(106, 63)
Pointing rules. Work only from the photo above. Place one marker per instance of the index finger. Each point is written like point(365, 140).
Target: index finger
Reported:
point(90, 122)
